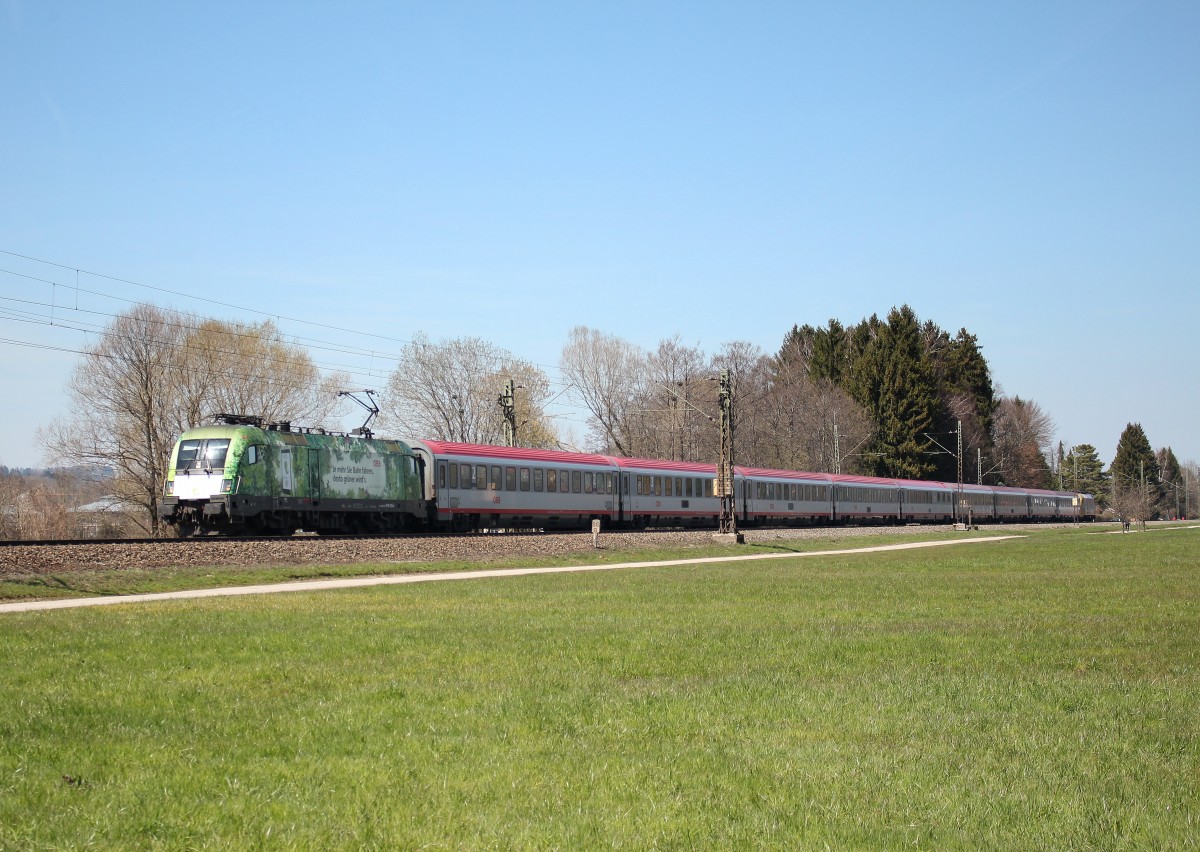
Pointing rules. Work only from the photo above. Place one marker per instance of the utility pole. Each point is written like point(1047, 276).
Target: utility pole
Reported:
point(837, 452)
point(978, 466)
point(725, 483)
point(958, 455)
point(508, 406)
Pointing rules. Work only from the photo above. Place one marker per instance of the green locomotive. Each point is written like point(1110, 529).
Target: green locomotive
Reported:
point(270, 479)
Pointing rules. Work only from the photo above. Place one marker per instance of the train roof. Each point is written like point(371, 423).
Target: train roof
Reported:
point(658, 465)
point(512, 454)
point(766, 472)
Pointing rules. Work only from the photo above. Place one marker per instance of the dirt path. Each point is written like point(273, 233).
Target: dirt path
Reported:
point(359, 582)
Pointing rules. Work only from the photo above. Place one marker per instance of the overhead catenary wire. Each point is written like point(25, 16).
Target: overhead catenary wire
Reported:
point(269, 314)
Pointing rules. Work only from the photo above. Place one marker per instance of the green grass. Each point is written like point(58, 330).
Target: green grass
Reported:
point(1035, 693)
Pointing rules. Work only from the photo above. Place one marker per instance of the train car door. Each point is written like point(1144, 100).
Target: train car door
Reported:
point(286, 480)
point(314, 475)
point(622, 491)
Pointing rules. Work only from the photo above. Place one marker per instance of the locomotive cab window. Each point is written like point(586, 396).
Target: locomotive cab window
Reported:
point(252, 454)
point(196, 454)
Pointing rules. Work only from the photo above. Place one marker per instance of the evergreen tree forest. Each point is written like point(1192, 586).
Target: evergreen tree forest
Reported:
point(918, 384)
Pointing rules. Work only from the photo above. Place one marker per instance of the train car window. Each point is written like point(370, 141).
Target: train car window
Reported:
point(608, 483)
point(510, 479)
point(679, 486)
point(453, 476)
point(658, 486)
point(465, 470)
point(552, 480)
point(564, 481)
point(576, 482)
point(538, 477)
point(481, 477)
point(687, 486)
point(524, 479)
point(669, 487)
point(441, 474)
point(587, 482)
point(494, 481)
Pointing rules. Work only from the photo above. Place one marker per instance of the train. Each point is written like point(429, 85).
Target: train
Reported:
point(244, 477)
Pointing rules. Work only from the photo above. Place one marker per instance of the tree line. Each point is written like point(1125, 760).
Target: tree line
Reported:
point(892, 396)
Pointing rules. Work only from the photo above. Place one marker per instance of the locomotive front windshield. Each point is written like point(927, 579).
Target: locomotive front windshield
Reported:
point(200, 454)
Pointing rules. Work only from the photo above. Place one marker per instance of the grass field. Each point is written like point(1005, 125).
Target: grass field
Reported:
point(1032, 693)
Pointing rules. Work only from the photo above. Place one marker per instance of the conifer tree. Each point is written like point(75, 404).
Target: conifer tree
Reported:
point(1171, 476)
point(1082, 471)
point(829, 352)
point(896, 386)
point(1135, 466)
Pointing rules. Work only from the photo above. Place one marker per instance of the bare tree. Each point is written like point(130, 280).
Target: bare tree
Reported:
point(607, 375)
point(750, 370)
point(122, 396)
point(669, 411)
point(1022, 434)
point(244, 368)
point(449, 391)
point(532, 393)
point(1133, 503)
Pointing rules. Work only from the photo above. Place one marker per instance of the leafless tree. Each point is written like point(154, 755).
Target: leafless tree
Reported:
point(241, 368)
point(977, 443)
point(1132, 502)
point(607, 375)
point(1022, 434)
point(449, 391)
point(750, 371)
point(669, 410)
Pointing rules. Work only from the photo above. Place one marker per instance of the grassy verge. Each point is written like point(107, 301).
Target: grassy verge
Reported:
point(1036, 693)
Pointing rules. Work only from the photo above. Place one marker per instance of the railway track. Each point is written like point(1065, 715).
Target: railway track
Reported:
point(45, 557)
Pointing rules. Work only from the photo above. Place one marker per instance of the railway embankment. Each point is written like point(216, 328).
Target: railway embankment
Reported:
point(17, 560)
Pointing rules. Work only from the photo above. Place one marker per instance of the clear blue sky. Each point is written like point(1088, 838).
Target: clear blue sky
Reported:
point(721, 171)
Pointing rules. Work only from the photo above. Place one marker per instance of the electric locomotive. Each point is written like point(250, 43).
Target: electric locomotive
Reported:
point(247, 477)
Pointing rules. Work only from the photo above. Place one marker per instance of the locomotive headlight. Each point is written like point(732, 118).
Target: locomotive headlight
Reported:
point(170, 489)
point(226, 486)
